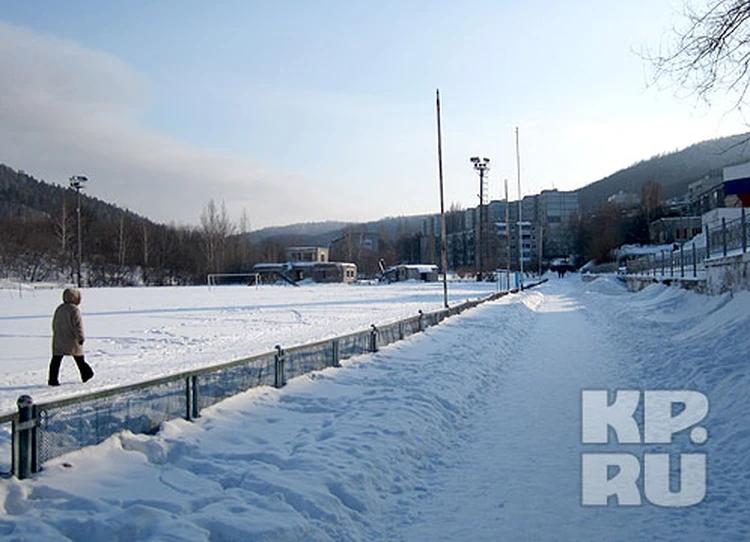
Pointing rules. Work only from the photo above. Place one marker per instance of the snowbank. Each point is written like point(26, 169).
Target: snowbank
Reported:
point(468, 431)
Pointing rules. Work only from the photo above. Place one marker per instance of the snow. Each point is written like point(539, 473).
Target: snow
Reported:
point(420, 268)
point(642, 250)
point(135, 334)
point(471, 430)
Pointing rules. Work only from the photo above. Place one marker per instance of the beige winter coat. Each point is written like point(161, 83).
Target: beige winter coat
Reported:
point(67, 326)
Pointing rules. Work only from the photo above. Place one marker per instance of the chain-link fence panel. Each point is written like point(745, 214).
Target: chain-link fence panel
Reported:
point(355, 344)
point(390, 334)
point(305, 359)
point(218, 385)
point(71, 427)
point(412, 326)
point(432, 319)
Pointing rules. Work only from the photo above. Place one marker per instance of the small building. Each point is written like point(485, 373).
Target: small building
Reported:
point(307, 254)
point(334, 272)
point(420, 272)
point(294, 272)
point(706, 193)
point(675, 229)
point(623, 199)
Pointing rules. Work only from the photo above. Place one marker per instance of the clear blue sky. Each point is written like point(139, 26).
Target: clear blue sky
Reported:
point(315, 110)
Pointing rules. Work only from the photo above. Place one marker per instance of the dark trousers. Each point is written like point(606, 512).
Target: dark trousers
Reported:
point(54, 369)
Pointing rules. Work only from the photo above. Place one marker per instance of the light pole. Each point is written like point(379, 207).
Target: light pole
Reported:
point(481, 165)
point(77, 181)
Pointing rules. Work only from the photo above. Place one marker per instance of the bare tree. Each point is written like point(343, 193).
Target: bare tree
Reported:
point(122, 242)
point(216, 228)
point(710, 55)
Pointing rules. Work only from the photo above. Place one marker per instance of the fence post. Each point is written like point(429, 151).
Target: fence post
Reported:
point(279, 380)
point(421, 320)
point(682, 262)
point(743, 221)
point(191, 396)
point(25, 456)
point(373, 338)
point(335, 355)
point(400, 330)
point(695, 263)
point(724, 236)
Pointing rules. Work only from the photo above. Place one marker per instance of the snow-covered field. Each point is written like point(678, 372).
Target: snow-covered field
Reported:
point(134, 334)
point(471, 430)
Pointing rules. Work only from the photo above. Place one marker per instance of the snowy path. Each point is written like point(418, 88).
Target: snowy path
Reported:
point(519, 476)
point(470, 431)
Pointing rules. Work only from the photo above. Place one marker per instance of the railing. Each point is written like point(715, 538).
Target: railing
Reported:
point(684, 262)
point(688, 260)
point(45, 431)
point(732, 236)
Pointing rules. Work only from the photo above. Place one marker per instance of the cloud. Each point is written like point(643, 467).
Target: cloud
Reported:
point(69, 110)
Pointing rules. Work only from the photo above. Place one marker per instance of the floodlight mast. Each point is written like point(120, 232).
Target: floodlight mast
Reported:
point(77, 182)
point(481, 165)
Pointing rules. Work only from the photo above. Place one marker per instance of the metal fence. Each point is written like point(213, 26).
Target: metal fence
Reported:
point(688, 260)
point(730, 237)
point(45, 431)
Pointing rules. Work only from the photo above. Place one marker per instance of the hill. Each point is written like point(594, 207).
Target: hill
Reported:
point(22, 195)
point(323, 233)
point(319, 231)
point(673, 171)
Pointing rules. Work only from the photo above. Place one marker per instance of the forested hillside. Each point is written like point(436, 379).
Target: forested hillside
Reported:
point(39, 226)
point(39, 239)
point(672, 171)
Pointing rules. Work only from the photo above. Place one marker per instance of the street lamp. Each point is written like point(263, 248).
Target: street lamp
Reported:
point(481, 165)
point(77, 181)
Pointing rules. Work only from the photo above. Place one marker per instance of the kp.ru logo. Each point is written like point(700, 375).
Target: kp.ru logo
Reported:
point(665, 414)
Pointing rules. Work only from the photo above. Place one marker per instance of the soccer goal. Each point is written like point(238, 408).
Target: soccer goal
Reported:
point(218, 279)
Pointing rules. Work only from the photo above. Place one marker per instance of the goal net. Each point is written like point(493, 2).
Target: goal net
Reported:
point(218, 279)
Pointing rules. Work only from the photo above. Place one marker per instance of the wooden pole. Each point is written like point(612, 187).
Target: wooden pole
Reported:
point(443, 243)
point(507, 232)
point(520, 207)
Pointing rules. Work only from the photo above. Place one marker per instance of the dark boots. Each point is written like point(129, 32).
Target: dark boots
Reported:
point(85, 370)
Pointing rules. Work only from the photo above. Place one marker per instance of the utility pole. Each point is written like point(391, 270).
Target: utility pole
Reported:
point(507, 232)
point(520, 208)
point(443, 243)
point(541, 247)
point(481, 165)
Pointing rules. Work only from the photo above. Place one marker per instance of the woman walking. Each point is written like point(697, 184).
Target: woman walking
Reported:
point(67, 337)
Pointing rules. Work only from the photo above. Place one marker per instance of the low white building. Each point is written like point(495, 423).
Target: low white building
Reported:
point(421, 272)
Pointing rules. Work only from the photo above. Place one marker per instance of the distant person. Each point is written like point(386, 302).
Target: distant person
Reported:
point(67, 337)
